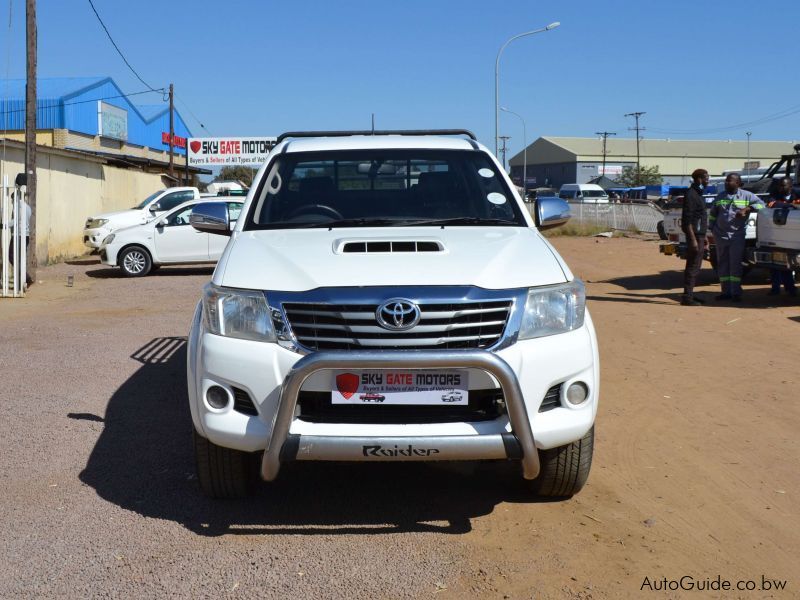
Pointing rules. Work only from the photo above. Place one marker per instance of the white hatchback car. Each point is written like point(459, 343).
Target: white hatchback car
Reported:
point(166, 239)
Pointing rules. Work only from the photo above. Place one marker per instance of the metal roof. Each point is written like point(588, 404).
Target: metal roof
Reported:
point(151, 111)
point(579, 148)
point(50, 88)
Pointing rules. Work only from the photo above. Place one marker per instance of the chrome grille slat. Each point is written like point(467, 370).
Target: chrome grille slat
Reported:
point(449, 324)
point(407, 342)
point(381, 330)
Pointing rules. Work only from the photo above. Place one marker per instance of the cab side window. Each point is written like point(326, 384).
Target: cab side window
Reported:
point(172, 200)
point(180, 217)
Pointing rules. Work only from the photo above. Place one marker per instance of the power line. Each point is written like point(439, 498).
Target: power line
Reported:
point(22, 110)
point(113, 43)
point(189, 110)
point(787, 112)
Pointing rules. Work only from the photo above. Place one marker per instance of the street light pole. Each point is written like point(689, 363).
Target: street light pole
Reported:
point(497, 79)
point(747, 174)
point(524, 153)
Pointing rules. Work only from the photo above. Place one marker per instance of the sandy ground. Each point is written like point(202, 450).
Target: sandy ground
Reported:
point(695, 473)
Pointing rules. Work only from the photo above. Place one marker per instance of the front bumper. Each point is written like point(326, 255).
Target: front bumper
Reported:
point(93, 238)
point(775, 259)
point(273, 377)
point(417, 447)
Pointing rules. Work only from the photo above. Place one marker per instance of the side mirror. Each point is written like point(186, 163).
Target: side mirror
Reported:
point(551, 212)
point(155, 207)
point(211, 217)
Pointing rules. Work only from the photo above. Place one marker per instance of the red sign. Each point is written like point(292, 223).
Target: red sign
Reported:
point(177, 141)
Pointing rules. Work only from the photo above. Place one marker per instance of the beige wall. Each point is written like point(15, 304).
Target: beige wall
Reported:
point(72, 188)
point(43, 137)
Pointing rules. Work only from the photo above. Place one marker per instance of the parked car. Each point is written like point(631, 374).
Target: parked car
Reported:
point(343, 262)
point(98, 227)
point(165, 239)
point(588, 193)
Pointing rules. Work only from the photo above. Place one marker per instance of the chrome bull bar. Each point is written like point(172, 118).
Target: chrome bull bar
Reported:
point(519, 444)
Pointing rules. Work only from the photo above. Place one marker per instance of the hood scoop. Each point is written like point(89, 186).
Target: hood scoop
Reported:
point(375, 246)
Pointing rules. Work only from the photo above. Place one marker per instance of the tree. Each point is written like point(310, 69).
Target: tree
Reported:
point(646, 176)
point(236, 173)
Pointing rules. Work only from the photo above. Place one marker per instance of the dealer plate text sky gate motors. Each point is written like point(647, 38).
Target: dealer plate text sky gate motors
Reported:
point(229, 151)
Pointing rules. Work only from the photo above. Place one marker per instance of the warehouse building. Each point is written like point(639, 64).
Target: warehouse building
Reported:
point(94, 116)
point(96, 152)
point(553, 161)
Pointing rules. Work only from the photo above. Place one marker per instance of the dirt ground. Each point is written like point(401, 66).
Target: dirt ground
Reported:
point(695, 474)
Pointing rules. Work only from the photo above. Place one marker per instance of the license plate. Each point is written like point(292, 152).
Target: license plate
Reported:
point(389, 387)
point(668, 249)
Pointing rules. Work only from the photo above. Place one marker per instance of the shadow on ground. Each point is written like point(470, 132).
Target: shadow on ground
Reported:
point(666, 287)
point(91, 259)
point(143, 461)
point(114, 273)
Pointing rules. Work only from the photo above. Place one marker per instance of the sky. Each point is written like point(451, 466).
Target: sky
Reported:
point(265, 67)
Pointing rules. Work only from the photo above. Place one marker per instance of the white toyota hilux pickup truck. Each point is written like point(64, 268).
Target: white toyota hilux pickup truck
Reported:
point(387, 296)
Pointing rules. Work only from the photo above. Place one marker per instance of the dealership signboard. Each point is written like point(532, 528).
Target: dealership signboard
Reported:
point(227, 151)
point(609, 170)
point(112, 121)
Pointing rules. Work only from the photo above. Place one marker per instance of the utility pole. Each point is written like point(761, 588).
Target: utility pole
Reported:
point(503, 149)
point(30, 132)
point(605, 135)
point(172, 131)
point(636, 115)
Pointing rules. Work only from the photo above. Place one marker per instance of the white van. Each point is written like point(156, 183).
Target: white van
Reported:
point(588, 193)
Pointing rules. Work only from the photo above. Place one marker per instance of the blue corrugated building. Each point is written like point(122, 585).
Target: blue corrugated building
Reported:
point(91, 107)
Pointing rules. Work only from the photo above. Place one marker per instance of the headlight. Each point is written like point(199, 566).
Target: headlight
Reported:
point(108, 239)
point(242, 314)
point(553, 310)
point(95, 223)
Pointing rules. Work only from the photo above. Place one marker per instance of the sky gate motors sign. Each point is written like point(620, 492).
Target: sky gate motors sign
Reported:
point(228, 151)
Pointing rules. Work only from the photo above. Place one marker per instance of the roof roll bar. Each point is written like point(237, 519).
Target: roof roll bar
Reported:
point(307, 134)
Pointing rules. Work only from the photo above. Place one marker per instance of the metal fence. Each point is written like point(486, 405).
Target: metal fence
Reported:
point(617, 216)
point(12, 240)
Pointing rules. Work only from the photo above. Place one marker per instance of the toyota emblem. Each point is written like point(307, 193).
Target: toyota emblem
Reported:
point(397, 314)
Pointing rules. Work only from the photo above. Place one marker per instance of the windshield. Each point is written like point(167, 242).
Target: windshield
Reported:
point(594, 194)
point(383, 188)
point(150, 198)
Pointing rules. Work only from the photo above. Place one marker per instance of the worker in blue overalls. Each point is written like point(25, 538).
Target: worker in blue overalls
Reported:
point(728, 221)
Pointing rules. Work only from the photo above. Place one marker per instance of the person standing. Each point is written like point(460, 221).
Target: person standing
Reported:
point(728, 220)
point(784, 195)
point(26, 226)
point(694, 223)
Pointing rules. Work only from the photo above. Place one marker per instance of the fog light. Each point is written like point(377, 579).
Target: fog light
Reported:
point(577, 393)
point(217, 397)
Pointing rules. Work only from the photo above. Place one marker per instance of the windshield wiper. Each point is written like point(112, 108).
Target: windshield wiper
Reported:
point(462, 221)
point(361, 222)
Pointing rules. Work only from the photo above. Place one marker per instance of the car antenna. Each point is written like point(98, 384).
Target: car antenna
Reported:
point(373, 123)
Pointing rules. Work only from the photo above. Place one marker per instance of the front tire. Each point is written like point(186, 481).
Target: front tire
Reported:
point(135, 261)
point(564, 470)
point(223, 472)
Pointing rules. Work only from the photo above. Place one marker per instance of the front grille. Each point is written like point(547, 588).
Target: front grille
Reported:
point(243, 403)
point(316, 407)
point(552, 399)
point(471, 324)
